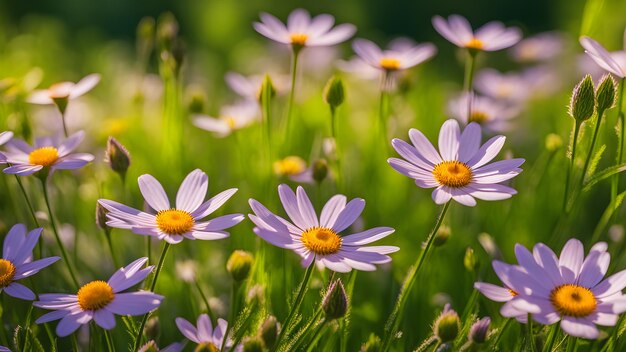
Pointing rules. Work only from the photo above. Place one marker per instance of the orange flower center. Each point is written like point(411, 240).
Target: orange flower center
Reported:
point(390, 63)
point(291, 165)
point(321, 240)
point(474, 44)
point(478, 117)
point(452, 174)
point(174, 221)
point(95, 295)
point(573, 300)
point(7, 271)
point(44, 156)
point(298, 38)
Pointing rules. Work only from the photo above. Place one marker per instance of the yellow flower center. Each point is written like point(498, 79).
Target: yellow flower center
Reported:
point(44, 156)
point(513, 293)
point(59, 90)
point(452, 174)
point(291, 165)
point(478, 117)
point(230, 121)
point(206, 347)
point(390, 63)
point(298, 38)
point(174, 221)
point(474, 44)
point(573, 300)
point(95, 295)
point(321, 240)
point(7, 271)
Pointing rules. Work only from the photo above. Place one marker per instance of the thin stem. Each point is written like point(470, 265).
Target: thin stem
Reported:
point(317, 334)
point(610, 343)
point(107, 234)
point(304, 285)
point(570, 169)
point(551, 338)
point(620, 151)
point(266, 98)
point(32, 212)
point(395, 317)
point(233, 311)
point(572, 341)
point(166, 246)
point(468, 81)
point(66, 258)
point(107, 337)
point(63, 121)
point(206, 303)
point(383, 110)
point(294, 73)
point(591, 147)
point(497, 338)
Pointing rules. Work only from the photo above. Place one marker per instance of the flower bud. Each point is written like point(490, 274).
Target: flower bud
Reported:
point(101, 217)
point(267, 88)
point(269, 331)
point(606, 93)
point(335, 302)
point(166, 31)
point(447, 326)
point(470, 261)
point(253, 344)
point(239, 265)
point(553, 142)
point(583, 102)
point(320, 170)
point(373, 344)
point(442, 235)
point(117, 157)
point(479, 331)
point(334, 92)
point(196, 100)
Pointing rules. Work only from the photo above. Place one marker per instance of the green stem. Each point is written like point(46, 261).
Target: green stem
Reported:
point(531, 337)
point(107, 235)
point(63, 122)
point(292, 92)
point(66, 258)
point(266, 98)
point(233, 311)
point(166, 246)
point(383, 110)
point(570, 169)
point(572, 342)
point(610, 343)
point(107, 337)
point(551, 338)
point(395, 317)
point(468, 81)
point(317, 334)
point(591, 147)
point(32, 212)
point(620, 116)
point(496, 339)
point(206, 303)
point(304, 285)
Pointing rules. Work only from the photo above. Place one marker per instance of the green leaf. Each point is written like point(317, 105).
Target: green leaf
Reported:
point(606, 216)
point(593, 165)
point(590, 14)
point(606, 173)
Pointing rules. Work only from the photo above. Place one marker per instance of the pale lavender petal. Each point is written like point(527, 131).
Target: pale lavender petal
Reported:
point(601, 56)
point(25, 252)
point(487, 152)
point(461, 196)
point(547, 318)
point(223, 222)
point(71, 143)
point(334, 263)
point(321, 24)
point(220, 330)
point(306, 208)
point(267, 217)
point(266, 31)
point(571, 260)
point(332, 209)
point(209, 235)
point(593, 269)
point(604, 319)
point(5, 137)
point(490, 30)
point(424, 147)
point(579, 327)
point(134, 303)
point(368, 51)
point(13, 242)
point(412, 171)
point(490, 191)
point(611, 285)
point(72, 322)
point(40, 96)
point(275, 25)
point(449, 137)
point(32, 268)
point(129, 275)
point(275, 238)
point(367, 236)
point(493, 292)
point(205, 328)
point(153, 192)
point(290, 203)
point(349, 214)
point(417, 55)
point(298, 21)
point(192, 191)
point(187, 329)
point(470, 142)
point(104, 318)
point(22, 170)
point(54, 315)
point(442, 27)
point(336, 35)
point(213, 203)
point(354, 264)
point(412, 155)
point(73, 161)
point(20, 291)
point(441, 195)
point(84, 85)
point(546, 258)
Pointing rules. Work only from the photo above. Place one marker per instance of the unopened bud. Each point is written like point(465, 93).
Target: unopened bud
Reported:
point(554, 142)
point(320, 170)
point(268, 90)
point(117, 157)
point(269, 331)
point(166, 31)
point(442, 235)
point(373, 344)
point(153, 328)
point(606, 93)
point(334, 92)
point(145, 37)
point(479, 331)
point(196, 100)
point(335, 302)
point(253, 344)
point(179, 49)
point(239, 265)
point(470, 261)
point(447, 326)
point(583, 102)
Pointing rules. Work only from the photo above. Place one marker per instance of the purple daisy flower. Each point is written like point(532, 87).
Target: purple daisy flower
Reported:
point(175, 224)
point(48, 153)
point(17, 261)
point(402, 54)
point(231, 118)
point(319, 240)
point(506, 293)
point(570, 288)
point(204, 335)
point(511, 87)
point(100, 301)
point(492, 36)
point(64, 90)
point(613, 62)
point(459, 170)
point(491, 114)
point(541, 47)
point(302, 30)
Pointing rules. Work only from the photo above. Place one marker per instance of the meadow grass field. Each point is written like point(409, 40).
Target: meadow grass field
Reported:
point(233, 177)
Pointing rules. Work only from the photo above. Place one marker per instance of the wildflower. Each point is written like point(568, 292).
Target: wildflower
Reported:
point(60, 93)
point(492, 36)
point(175, 224)
point(48, 154)
point(5, 137)
point(231, 118)
point(402, 54)
point(100, 301)
point(359, 68)
point(320, 240)
point(335, 301)
point(151, 346)
point(510, 87)
point(204, 335)
point(459, 170)
point(490, 113)
point(508, 292)
point(479, 331)
point(249, 87)
point(541, 47)
point(239, 265)
point(17, 261)
point(613, 62)
point(294, 168)
point(117, 157)
point(302, 30)
point(570, 288)
point(448, 325)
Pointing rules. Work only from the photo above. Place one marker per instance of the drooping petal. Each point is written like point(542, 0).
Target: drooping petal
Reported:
point(579, 327)
point(104, 318)
point(20, 291)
